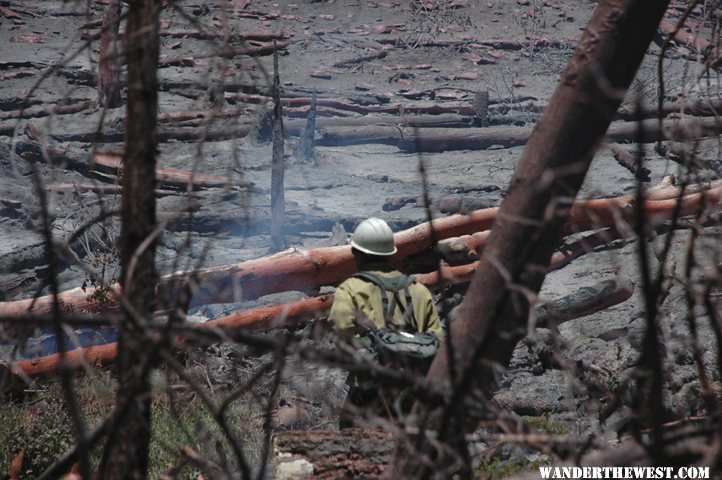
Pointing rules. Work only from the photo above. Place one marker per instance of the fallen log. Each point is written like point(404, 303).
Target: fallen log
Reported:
point(590, 214)
point(535, 43)
point(47, 111)
point(684, 38)
point(307, 270)
point(292, 127)
point(110, 162)
point(363, 58)
point(365, 452)
point(448, 120)
point(98, 188)
point(700, 107)
point(95, 356)
point(173, 177)
point(231, 37)
point(584, 302)
point(206, 35)
point(439, 140)
point(331, 454)
point(467, 249)
point(436, 140)
point(626, 160)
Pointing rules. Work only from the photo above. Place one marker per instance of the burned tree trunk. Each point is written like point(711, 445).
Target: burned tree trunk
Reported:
point(277, 166)
point(307, 143)
point(109, 65)
point(126, 453)
point(493, 315)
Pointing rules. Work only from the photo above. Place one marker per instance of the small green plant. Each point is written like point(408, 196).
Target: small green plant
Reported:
point(11, 419)
point(101, 295)
point(101, 261)
point(40, 425)
point(546, 424)
point(177, 424)
point(43, 430)
point(495, 468)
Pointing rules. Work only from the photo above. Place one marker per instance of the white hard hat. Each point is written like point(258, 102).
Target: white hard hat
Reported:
point(374, 236)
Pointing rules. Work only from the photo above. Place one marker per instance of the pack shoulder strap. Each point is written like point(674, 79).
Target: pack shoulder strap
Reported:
point(394, 285)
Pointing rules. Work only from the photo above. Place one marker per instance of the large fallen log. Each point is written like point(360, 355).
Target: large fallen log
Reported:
point(331, 454)
point(365, 452)
point(583, 302)
point(439, 140)
point(415, 108)
point(111, 162)
point(306, 270)
point(294, 127)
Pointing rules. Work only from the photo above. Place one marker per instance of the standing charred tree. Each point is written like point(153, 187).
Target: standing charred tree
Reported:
point(494, 313)
point(277, 165)
point(109, 65)
point(126, 453)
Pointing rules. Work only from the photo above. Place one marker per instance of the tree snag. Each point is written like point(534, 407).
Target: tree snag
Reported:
point(126, 452)
point(493, 315)
point(277, 166)
point(109, 65)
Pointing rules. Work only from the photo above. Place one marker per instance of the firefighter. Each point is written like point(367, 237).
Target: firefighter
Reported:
point(379, 302)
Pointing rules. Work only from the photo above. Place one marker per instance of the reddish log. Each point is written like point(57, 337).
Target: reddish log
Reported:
point(90, 356)
point(307, 270)
point(164, 175)
point(363, 58)
point(566, 308)
point(599, 213)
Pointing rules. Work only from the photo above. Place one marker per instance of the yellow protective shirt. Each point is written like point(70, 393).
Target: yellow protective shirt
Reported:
point(359, 301)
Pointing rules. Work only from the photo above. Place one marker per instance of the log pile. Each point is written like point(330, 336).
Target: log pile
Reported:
point(308, 270)
point(462, 238)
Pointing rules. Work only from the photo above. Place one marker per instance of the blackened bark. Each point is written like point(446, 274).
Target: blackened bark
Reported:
point(494, 313)
point(307, 151)
point(109, 68)
point(277, 166)
point(126, 453)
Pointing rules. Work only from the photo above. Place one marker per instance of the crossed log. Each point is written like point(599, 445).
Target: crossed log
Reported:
point(304, 270)
point(307, 270)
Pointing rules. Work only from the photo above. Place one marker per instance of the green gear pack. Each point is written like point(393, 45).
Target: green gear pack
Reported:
point(403, 346)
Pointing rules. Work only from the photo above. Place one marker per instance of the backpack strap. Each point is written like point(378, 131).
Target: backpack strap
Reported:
point(394, 285)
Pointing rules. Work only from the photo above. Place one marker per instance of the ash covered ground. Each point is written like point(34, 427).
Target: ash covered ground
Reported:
point(444, 56)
